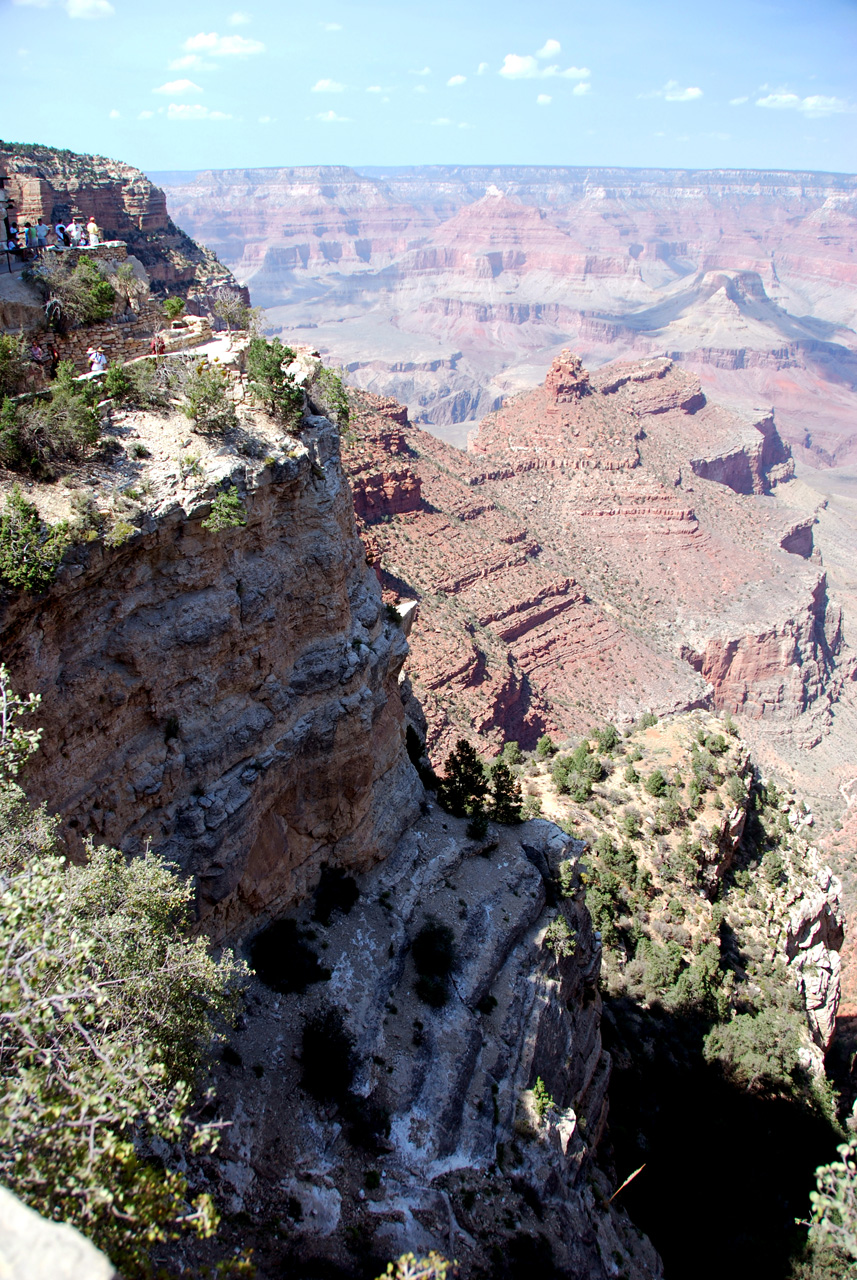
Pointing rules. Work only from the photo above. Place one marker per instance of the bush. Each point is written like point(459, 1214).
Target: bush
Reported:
point(336, 891)
point(630, 774)
point(117, 382)
point(227, 512)
point(511, 754)
point(559, 937)
point(607, 738)
point(328, 1057)
point(330, 390)
point(735, 790)
point(108, 1010)
point(271, 383)
point(30, 551)
point(434, 955)
point(63, 427)
point(77, 294)
point(207, 401)
point(173, 308)
point(542, 1100)
point(282, 960)
point(758, 1050)
point(545, 747)
point(656, 783)
point(834, 1209)
point(14, 364)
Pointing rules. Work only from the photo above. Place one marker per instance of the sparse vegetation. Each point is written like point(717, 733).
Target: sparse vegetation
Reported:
point(207, 400)
point(542, 1100)
point(30, 550)
point(270, 381)
point(227, 512)
point(62, 426)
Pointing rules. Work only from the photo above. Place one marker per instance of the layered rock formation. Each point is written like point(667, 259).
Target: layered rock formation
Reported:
point(452, 286)
point(606, 545)
point(56, 185)
point(229, 700)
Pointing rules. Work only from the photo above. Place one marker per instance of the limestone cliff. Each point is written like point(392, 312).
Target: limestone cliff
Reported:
point(228, 698)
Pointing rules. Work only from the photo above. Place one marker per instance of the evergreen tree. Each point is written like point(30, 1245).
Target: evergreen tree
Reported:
point(463, 788)
point(505, 794)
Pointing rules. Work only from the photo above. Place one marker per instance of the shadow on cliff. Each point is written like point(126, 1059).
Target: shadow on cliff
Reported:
point(727, 1171)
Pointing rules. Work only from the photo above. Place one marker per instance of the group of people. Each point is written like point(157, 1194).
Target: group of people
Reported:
point(31, 240)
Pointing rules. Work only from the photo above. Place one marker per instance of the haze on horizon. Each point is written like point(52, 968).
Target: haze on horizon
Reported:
point(750, 84)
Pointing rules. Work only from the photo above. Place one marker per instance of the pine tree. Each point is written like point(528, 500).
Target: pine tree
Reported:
point(463, 788)
point(505, 794)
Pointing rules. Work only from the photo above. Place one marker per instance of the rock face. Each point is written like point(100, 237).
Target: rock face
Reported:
point(32, 1248)
point(44, 182)
point(586, 559)
point(228, 698)
point(450, 287)
point(467, 1167)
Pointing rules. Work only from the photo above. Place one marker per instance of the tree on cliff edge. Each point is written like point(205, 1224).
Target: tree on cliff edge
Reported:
point(463, 787)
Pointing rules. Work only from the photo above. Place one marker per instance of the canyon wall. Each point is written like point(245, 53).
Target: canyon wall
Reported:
point(452, 286)
point(227, 699)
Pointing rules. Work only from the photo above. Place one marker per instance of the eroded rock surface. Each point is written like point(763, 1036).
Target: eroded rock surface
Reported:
point(466, 1167)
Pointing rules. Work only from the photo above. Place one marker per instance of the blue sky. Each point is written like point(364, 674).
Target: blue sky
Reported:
point(188, 85)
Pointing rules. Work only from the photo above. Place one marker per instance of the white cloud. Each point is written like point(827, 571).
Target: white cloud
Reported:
point(465, 126)
point(420, 88)
point(378, 88)
point(238, 19)
point(544, 99)
point(328, 86)
point(482, 69)
point(115, 115)
point(426, 71)
point(267, 119)
point(145, 115)
point(549, 49)
point(331, 26)
point(174, 88)
point(442, 120)
point(454, 80)
point(222, 46)
point(737, 102)
point(815, 106)
point(525, 67)
point(89, 9)
point(673, 92)
point(330, 117)
point(580, 89)
point(191, 62)
point(193, 111)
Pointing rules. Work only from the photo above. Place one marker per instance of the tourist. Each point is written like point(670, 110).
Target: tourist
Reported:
point(31, 241)
point(93, 231)
point(63, 239)
point(76, 233)
point(42, 235)
point(97, 360)
point(157, 346)
point(53, 362)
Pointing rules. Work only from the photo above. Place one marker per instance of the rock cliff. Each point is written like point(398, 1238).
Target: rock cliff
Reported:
point(229, 699)
point(56, 185)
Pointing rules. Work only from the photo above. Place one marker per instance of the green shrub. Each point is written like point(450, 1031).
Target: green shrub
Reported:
point(758, 1050)
point(62, 427)
point(607, 738)
point(117, 382)
point(511, 754)
point(542, 1100)
point(559, 937)
point(545, 747)
point(108, 1011)
point(833, 1232)
point(173, 307)
point(14, 364)
point(630, 774)
point(207, 401)
point(76, 294)
point(566, 879)
point(227, 512)
point(735, 790)
point(30, 551)
point(269, 381)
point(656, 783)
point(330, 390)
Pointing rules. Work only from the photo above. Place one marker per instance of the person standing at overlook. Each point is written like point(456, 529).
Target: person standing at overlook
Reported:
point(93, 230)
point(42, 236)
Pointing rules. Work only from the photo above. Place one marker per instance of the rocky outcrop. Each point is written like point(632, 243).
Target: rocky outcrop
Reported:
point(463, 1163)
point(57, 185)
point(227, 699)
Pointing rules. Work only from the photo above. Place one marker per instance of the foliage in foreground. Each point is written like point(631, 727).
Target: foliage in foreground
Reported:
point(108, 1009)
point(60, 427)
point(833, 1230)
point(207, 401)
point(466, 791)
point(227, 512)
point(270, 381)
point(409, 1267)
point(30, 551)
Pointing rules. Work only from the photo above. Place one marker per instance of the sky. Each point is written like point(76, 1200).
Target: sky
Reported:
point(666, 83)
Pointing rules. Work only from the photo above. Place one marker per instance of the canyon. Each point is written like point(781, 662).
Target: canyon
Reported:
point(451, 287)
